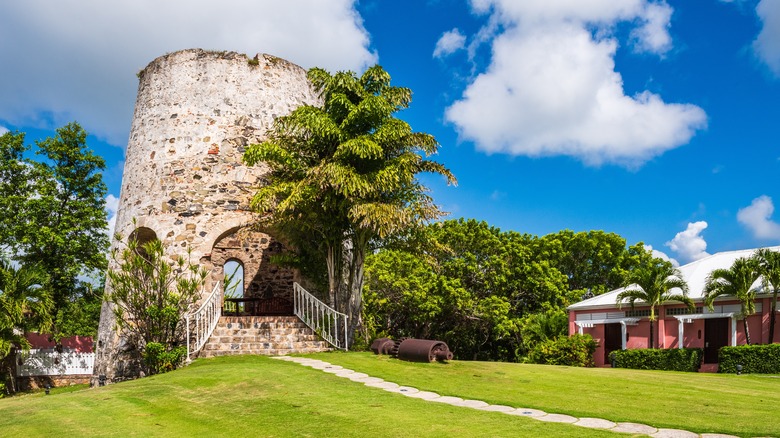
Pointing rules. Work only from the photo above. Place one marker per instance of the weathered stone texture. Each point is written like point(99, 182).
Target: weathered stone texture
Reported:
point(184, 182)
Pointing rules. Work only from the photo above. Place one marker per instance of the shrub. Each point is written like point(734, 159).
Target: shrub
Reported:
point(576, 351)
point(673, 359)
point(159, 359)
point(760, 359)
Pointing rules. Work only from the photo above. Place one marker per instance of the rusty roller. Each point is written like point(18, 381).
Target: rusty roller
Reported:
point(423, 350)
point(384, 346)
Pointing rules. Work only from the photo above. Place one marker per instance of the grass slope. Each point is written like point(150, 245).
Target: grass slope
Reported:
point(744, 405)
point(259, 396)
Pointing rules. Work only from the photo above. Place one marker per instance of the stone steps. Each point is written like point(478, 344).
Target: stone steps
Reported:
point(264, 335)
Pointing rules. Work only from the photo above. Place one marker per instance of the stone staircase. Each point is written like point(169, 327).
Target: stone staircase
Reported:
point(265, 335)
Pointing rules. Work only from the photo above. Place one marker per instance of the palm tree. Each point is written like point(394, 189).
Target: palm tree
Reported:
point(655, 284)
point(736, 281)
point(769, 267)
point(344, 175)
point(24, 305)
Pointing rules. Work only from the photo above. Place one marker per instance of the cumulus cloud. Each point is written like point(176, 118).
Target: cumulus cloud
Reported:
point(661, 255)
point(3, 130)
point(112, 205)
point(767, 44)
point(449, 43)
point(689, 244)
point(78, 60)
point(757, 218)
point(552, 87)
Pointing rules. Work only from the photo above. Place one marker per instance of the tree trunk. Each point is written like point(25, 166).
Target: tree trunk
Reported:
point(772, 318)
point(652, 337)
point(747, 332)
point(355, 289)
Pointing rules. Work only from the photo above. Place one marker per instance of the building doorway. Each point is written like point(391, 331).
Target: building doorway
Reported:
point(716, 335)
point(613, 340)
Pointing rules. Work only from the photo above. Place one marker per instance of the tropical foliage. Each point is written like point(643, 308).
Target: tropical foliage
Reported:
point(52, 215)
point(489, 294)
point(25, 305)
point(738, 281)
point(150, 296)
point(769, 268)
point(344, 176)
point(653, 285)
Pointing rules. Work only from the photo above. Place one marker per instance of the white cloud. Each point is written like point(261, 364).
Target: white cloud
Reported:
point(3, 130)
point(662, 255)
point(767, 44)
point(757, 218)
point(552, 88)
point(78, 60)
point(112, 205)
point(449, 43)
point(689, 244)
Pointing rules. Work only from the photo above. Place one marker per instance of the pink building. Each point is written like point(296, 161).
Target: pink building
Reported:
point(617, 327)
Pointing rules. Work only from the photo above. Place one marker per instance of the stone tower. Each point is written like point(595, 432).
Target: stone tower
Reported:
point(184, 182)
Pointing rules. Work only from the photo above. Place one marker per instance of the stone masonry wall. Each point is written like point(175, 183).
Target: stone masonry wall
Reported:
point(195, 113)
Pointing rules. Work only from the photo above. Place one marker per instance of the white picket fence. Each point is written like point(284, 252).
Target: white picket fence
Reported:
point(48, 362)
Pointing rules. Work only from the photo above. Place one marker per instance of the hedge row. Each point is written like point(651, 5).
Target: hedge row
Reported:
point(574, 351)
point(759, 359)
point(673, 359)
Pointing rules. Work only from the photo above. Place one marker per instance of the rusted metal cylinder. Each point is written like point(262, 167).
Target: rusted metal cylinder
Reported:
point(383, 346)
point(423, 350)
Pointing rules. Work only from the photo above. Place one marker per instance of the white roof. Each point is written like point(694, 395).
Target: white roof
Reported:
point(695, 273)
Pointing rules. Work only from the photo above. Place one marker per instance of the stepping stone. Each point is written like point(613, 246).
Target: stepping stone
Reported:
point(368, 380)
point(497, 408)
point(383, 385)
point(356, 376)
point(403, 390)
point(425, 395)
point(326, 367)
point(635, 428)
point(674, 433)
point(595, 423)
point(287, 358)
point(476, 404)
point(717, 435)
point(557, 418)
point(527, 412)
point(455, 401)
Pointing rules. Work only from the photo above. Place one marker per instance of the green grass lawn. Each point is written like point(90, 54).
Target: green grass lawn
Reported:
point(746, 405)
point(254, 396)
point(258, 396)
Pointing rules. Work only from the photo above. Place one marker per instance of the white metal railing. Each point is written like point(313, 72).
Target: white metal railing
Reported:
point(324, 320)
point(201, 323)
point(49, 362)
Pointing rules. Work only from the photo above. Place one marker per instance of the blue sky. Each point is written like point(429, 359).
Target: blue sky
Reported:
point(655, 120)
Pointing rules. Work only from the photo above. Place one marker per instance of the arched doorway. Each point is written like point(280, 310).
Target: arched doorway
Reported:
point(265, 288)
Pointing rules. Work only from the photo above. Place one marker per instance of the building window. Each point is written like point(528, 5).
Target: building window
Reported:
point(637, 313)
point(683, 311)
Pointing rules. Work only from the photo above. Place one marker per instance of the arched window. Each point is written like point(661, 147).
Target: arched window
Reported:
point(234, 279)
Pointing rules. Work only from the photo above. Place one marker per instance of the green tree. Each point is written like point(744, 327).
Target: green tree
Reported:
point(593, 261)
point(536, 328)
point(654, 285)
point(15, 186)
point(151, 296)
point(344, 174)
point(769, 267)
point(65, 220)
point(736, 281)
point(24, 305)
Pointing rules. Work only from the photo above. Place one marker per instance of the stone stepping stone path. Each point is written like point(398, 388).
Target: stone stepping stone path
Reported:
point(593, 423)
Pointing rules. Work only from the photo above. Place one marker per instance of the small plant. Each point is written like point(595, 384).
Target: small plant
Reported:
point(159, 358)
point(254, 62)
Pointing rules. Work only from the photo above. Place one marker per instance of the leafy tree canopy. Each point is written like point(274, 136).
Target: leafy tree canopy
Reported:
point(53, 213)
point(344, 175)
